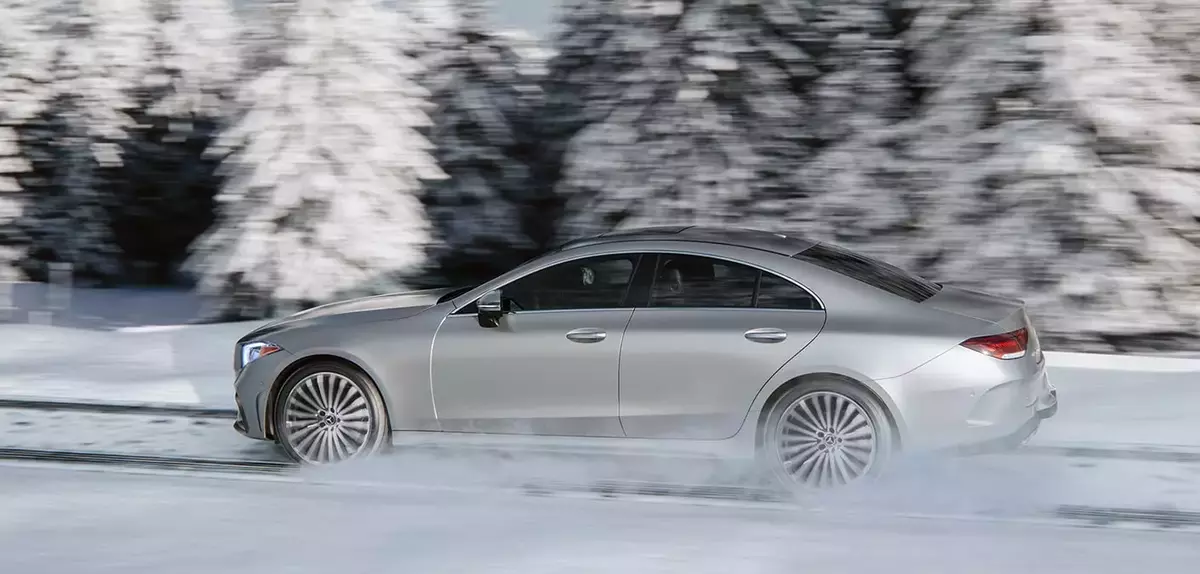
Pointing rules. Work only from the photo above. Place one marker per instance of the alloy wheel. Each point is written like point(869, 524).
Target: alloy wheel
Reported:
point(328, 418)
point(826, 439)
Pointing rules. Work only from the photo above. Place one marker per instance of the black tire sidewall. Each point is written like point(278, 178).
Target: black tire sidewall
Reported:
point(768, 454)
point(379, 436)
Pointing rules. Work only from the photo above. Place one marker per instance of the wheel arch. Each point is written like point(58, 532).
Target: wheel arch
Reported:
point(889, 409)
point(304, 361)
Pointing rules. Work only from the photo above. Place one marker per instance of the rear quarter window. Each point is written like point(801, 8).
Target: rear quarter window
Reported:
point(873, 272)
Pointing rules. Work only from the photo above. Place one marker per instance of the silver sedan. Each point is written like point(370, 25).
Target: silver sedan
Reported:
point(812, 360)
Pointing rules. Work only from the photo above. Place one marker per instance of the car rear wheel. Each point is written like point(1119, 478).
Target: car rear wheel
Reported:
point(328, 413)
point(824, 435)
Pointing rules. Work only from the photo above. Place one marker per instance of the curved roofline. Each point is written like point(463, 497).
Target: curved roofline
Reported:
point(773, 242)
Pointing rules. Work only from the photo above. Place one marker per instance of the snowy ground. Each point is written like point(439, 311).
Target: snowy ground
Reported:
point(57, 521)
point(1022, 484)
point(190, 365)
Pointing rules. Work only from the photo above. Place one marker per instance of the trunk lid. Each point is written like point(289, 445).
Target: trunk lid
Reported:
point(997, 313)
point(977, 304)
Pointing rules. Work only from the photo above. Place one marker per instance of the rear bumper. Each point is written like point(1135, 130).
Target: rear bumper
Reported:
point(1048, 404)
point(964, 398)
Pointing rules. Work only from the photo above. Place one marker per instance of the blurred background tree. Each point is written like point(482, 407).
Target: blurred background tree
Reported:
point(275, 154)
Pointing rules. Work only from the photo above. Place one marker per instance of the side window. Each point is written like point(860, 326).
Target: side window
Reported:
point(592, 283)
point(691, 281)
point(775, 292)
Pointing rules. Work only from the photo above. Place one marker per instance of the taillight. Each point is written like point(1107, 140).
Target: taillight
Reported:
point(1009, 345)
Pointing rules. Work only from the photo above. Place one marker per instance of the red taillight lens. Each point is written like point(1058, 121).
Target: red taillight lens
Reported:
point(1009, 345)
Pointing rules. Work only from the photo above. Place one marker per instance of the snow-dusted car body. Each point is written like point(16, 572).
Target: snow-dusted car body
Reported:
point(816, 361)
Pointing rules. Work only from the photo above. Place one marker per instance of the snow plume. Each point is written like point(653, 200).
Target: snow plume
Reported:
point(98, 54)
point(706, 117)
point(324, 167)
point(486, 87)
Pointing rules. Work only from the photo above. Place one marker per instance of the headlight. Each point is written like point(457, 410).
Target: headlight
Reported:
point(252, 351)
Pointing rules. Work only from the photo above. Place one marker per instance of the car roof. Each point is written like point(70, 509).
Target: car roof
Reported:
point(773, 242)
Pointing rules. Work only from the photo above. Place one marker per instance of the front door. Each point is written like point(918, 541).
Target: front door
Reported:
point(713, 333)
point(550, 367)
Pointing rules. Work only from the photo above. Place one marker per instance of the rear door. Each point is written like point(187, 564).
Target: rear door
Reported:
point(711, 334)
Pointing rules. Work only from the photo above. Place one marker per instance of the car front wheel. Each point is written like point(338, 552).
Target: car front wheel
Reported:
point(329, 413)
point(826, 434)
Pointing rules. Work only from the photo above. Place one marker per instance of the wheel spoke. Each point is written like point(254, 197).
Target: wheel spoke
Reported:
point(306, 445)
point(323, 388)
point(826, 439)
point(302, 403)
point(328, 418)
point(846, 415)
point(794, 422)
point(808, 415)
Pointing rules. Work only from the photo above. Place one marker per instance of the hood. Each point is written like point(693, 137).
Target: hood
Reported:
point(415, 300)
point(423, 298)
point(405, 304)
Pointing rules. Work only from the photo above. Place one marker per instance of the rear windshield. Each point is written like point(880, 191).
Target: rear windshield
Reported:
point(870, 271)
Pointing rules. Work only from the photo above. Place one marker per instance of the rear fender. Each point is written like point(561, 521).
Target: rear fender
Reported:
point(794, 373)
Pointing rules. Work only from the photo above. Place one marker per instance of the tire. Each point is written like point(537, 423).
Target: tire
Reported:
point(330, 412)
point(829, 460)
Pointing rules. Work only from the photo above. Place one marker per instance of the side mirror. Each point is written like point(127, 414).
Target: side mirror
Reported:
point(490, 309)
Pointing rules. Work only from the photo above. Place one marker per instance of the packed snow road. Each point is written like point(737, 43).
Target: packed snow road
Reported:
point(1018, 486)
point(54, 520)
point(1029, 483)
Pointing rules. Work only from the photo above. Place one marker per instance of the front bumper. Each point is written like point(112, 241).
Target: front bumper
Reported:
point(252, 394)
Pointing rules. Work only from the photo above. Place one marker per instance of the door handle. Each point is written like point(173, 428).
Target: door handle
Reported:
point(587, 335)
point(766, 335)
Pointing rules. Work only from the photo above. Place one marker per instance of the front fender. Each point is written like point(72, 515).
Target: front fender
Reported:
point(393, 353)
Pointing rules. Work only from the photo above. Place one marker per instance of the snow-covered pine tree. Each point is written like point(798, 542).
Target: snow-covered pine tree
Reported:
point(433, 22)
point(197, 64)
point(99, 53)
point(168, 185)
point(13, 166)
point(710, 114)
point(589, 57)
point(23, 50)
point(12, 202)
point(1144, 119)
point(262, 41)
point(325, 166)
point(1019, 198)
point(486, 88)
point(1006, 174)
point(1174, 27)
point(851, 191)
